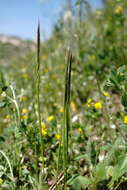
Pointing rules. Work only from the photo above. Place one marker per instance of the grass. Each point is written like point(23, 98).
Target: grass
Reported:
point(38, 93)
point(81, 143)
point(67, 126)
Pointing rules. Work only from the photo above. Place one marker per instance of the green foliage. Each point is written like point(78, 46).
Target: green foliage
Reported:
point(34, 110)
point(79, 182)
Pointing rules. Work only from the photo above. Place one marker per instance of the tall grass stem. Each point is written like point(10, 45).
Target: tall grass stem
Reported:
point(38, 91)
point(66, 115)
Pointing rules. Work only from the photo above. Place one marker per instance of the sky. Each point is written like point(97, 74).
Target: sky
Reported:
point(20, 17)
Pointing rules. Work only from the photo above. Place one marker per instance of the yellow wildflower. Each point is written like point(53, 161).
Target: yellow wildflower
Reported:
point(43, 125)
point(58, 136)
point(106, 94)
point(118, 10)
point(125, 119)
point(80, 130)
point(88, 105)
point(73, 107)
point(98, 105)
point(50, 118)
point(24, 111)
point(89, 101)
point(44, 131)
point(1, 181)
point(24, 117)
point(61, 109)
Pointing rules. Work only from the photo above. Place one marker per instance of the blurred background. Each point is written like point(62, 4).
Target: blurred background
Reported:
point(19, 18)
point(96, 31)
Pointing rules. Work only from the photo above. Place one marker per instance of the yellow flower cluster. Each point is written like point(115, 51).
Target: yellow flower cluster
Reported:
point(50, 118)
point(61, 110)
point(118, 10)
point(98, 105)
point(24, 117)
point(89, 101)
point(125, 119)
point(24, 111)
point(80, 130)
point(24, 114)
point(58, 136)
point(43, 129)
point(106, 94)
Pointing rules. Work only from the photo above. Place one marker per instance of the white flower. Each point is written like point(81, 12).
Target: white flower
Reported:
point(59, 126)
point(101, 157)
point(113, 126)
point(75, 118)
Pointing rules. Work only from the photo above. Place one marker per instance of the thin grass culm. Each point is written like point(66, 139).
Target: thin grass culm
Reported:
point(66, 115)
point(38, 91)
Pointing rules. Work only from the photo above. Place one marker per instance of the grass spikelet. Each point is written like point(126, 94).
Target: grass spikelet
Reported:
point(38, 47)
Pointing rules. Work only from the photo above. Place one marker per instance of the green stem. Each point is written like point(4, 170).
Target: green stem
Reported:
point(38, 92)
point(9, 165)
point(66, 116)
point(14, 100)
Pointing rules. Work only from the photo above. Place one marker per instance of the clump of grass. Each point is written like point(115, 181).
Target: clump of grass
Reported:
point(66, 115)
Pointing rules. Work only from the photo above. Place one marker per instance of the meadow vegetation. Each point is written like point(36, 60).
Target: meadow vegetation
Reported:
point(63, 112)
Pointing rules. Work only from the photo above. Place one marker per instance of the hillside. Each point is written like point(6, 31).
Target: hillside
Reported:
point(12, 47)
